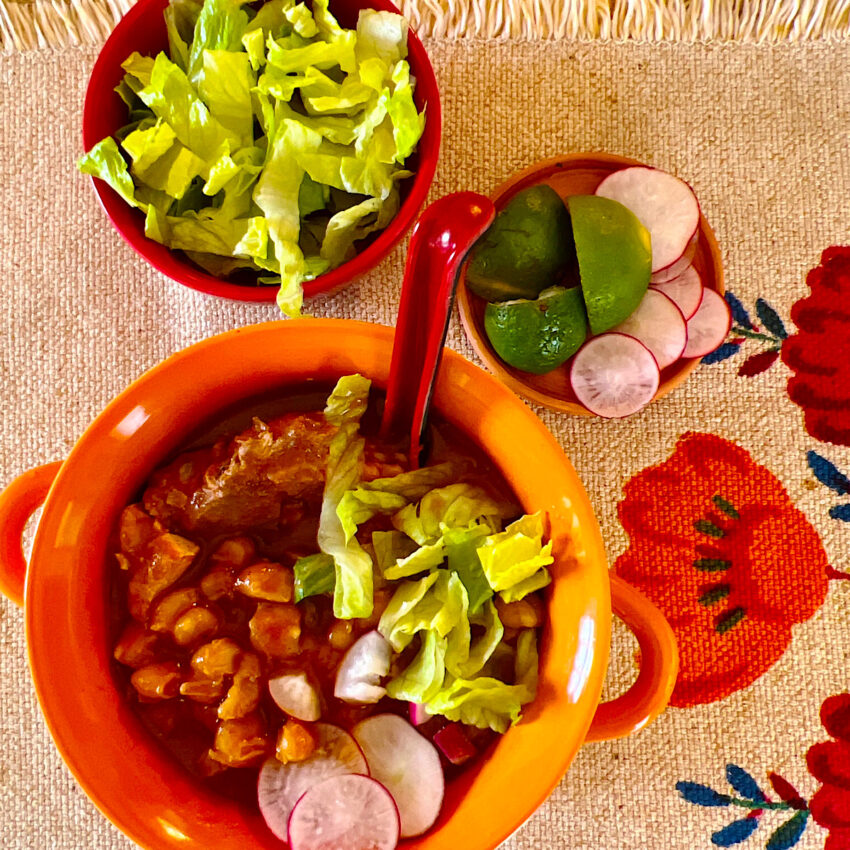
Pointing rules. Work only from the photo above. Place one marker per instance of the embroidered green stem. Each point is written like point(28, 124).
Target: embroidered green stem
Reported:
point(756, 335)
point(705, 526)
point(727, 507)
point(729, 620)
point(756, 804)
point(720, 591)
point(712, 565)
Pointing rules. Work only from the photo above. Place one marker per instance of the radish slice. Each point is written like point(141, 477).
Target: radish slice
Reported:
point(358, 678)
point(708, 327)
point(281, 785)
point(407, 764)
point(614, 375)
point(418, 713)
point(675, 269)
point(353, 812)
point(659, 325)
point(664, 204)
point(684, 291)
point(294, 694)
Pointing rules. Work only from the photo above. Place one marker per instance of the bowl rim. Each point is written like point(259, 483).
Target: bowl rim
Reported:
point(125, 219)
point(580, 596)
point(467, 299)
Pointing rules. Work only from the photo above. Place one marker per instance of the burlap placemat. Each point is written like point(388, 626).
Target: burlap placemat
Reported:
point(762, 134)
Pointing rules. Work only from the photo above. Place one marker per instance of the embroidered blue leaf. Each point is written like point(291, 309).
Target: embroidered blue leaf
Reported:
point(722, 353)
point(827, 473)
point(841, 512)
point(770, 319)
point(701, 795)
point(735, 833)
point(744, 784)
point(789, 833)
point(739, 312)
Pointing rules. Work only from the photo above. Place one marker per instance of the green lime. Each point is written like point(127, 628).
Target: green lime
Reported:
point(538, 336)
point(527, 248)
point(614, 259)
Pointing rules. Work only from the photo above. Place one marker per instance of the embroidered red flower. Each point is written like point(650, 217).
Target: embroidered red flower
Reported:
point(819, 353)
point(829, 762)
point(717, 544)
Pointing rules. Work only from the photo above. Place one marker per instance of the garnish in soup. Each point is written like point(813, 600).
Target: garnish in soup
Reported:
point(290, 594)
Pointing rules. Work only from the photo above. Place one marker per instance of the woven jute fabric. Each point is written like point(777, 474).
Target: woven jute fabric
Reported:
point(26, 24)
point(761, 132)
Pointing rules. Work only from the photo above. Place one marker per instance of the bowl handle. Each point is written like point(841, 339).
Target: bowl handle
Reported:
point(659, 664)
point(18, 502)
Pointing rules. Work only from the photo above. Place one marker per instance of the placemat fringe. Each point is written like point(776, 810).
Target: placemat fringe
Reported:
point(29, 24)
point(753, 21)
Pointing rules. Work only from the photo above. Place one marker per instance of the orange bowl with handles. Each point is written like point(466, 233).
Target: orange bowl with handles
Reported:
point(574, 174)
point(65, 590)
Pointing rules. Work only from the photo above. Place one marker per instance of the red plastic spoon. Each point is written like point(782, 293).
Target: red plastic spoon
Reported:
point(441, 239)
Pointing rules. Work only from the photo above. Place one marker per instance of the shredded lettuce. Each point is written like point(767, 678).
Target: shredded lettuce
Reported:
point(462, 556)
point(327, 108)
point(424, 558)
point(444, 560)
point(314, 575)
point(382, 35)
point(454, 506)
point(487, 702)
point(483, 702)
point(434, 603)
point(104, 160)
point(353, 584)
point(390, 547)
point(423, 678)
point(466, 657)
point(522, 588)
point(527, 662)
point(219, 27)
point(458, 639)
point(516, 555)
point(389, 495)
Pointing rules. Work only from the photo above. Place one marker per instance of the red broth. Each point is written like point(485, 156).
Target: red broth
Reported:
point(232, 606)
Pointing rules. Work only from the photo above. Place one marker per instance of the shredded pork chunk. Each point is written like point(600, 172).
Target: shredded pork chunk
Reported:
point(245, 482)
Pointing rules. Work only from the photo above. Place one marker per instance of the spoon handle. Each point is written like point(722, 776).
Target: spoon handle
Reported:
point(440, 241)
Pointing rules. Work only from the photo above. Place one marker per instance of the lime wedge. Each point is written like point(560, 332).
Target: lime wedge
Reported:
point(538, 336)
point(614, 258)
point(527, 248)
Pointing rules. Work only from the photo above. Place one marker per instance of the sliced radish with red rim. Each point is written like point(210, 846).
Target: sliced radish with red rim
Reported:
point(296, 695)
point(351, 812)
point(280, 786)
point(614, 375)
point(664, 204)
point(659, 325)
point(675, 269)
point(408, 765)
point(358, 678)
point(708, 327)
point(685, 291)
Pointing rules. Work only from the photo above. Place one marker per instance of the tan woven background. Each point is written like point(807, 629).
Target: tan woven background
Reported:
point(761, 133)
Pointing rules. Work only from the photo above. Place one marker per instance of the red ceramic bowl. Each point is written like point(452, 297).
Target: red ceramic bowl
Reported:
point(138, 785)
point(143, 29)
point(574, 174)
